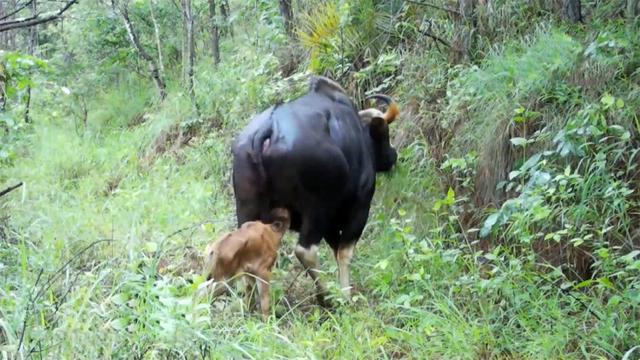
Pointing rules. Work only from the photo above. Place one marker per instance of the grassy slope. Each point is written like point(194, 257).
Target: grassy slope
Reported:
point(420, 293)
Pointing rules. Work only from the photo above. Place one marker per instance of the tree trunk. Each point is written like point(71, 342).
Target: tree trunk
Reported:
point(215, 32)
point(227, 29)
point(156, 32)
point(632, 9)
point(187, 15)
point(135, 41)
point(33, 40)
point(287, 15)
point(571, 10)
point(11, 35)
point(3, 87)
point(3, 36)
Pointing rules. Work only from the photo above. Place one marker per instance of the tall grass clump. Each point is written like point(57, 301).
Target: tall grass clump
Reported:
point(483, 97)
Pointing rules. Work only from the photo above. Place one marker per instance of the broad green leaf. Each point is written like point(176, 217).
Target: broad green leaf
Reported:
point(150, 246)
point(577, 241)
point(607, 100)
point(450, 196)
point(606, 282)
point(531, 162)
point(584, 284)
point(489, 223)
point(383, 264)
point(118, 323)
point(119, 299)
point(615, 300)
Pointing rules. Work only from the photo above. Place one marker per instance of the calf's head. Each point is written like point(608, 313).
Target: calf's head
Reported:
point(377, 124)
point(210, 260)
point(245, 246)
point(280, 220)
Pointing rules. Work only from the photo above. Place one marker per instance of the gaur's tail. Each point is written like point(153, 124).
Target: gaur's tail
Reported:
point(261, 140)
point(324, 84)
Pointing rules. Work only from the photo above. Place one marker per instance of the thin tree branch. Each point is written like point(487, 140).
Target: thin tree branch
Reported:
point(47, 285)
point(10, 189)
point(156, 32)
point(435, 37)
point(36, 19)
point(17, 10)
point(26, 315)
point(137, 45)
point(452, 11)
point(57, 306)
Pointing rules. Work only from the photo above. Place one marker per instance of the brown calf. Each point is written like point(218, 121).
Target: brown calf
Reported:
point(252, 249)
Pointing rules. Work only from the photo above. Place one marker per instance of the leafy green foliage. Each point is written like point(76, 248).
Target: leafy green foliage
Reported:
point(17, 75)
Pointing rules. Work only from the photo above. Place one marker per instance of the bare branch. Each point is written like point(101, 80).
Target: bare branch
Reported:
point(17, 10)
point(28, 310)
point(36, 19)
point(10, 189)
point(34, 296)
point(452, 11)
point(435, 37)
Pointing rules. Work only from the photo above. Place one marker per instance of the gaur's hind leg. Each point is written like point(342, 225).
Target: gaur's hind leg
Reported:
point(343, 258)
point(307, 253)
point(343, 250)
point(309, 259)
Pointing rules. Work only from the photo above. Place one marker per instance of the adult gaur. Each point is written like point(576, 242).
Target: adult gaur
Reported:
point(317, 156)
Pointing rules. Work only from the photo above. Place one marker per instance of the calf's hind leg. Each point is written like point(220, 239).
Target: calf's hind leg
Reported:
point(249, 296)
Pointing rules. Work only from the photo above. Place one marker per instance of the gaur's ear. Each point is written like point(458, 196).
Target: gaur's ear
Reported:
point(378, 128)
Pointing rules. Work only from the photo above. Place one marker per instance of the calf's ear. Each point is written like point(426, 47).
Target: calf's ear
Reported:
point(378, 128)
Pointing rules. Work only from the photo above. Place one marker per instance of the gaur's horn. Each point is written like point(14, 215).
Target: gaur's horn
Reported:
point(392, 110)
point(385, 98)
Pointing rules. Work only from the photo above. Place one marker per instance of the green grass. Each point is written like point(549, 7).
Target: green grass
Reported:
point(511, 76)
point(417, 295)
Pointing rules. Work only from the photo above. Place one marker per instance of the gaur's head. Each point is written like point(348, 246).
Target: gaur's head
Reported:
point(377, 124)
